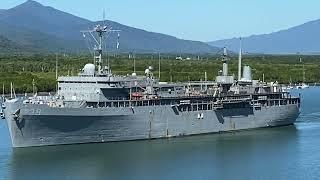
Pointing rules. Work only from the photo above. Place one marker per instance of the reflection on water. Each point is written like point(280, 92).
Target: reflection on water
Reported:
point(209, 156)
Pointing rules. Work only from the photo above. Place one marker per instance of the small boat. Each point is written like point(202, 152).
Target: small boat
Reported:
point(302, 86)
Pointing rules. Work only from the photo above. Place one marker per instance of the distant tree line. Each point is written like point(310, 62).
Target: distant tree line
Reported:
point(23, 69)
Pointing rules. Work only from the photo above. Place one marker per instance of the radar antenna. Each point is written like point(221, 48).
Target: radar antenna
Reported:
point(98, 35)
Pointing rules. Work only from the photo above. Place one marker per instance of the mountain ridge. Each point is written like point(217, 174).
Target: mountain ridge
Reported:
point(298, 39)
point(55, 25)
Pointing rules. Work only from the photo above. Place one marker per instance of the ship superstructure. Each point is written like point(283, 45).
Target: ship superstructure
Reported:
point(98, 106)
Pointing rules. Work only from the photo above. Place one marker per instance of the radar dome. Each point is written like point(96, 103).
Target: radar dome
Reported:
point(147, 71)
point(89, 69)
point(134, 74)
point(150, 68)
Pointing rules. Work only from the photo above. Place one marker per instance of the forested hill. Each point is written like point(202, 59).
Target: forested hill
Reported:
point(43, 28)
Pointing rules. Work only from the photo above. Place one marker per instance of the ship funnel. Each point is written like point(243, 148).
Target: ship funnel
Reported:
point(246, 76)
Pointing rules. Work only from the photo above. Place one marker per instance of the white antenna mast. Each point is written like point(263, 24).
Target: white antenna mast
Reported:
point(134, 64)
point(240, 59)
point(11, 89)
point(303, 71)
point(56, 66)
point(33, 87)
point(105, 44)
point(14, 92)
point(159, 66)
point(206, 79)
point(2, 91)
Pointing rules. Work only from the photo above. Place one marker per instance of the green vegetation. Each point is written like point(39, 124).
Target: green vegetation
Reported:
point(22, 69)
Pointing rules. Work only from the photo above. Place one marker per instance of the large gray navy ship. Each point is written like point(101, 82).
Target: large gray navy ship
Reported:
point(98, 106)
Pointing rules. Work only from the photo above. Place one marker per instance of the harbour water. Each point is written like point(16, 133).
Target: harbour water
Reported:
point(291, 152)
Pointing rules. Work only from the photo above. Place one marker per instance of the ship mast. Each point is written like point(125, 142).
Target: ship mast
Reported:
point(239, 61)
point(303, 71)
point(2, 92)
point(99, 34)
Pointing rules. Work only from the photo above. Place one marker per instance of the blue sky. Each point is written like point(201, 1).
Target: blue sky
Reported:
point(203, 20)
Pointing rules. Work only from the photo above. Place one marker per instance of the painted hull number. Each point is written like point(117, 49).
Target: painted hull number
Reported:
point(33, 111)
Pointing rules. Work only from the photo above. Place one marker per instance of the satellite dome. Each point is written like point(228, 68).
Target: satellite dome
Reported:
point(89, 69)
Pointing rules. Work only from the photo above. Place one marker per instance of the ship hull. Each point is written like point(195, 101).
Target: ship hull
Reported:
point(39, 125)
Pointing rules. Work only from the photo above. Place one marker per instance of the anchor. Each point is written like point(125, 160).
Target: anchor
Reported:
point(19, 121)
point(16, 114)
